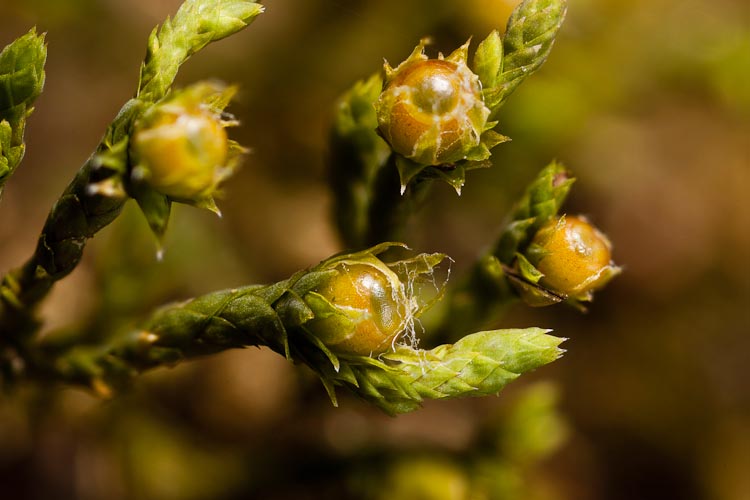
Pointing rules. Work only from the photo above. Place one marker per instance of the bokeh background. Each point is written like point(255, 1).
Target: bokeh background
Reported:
point(647, 101)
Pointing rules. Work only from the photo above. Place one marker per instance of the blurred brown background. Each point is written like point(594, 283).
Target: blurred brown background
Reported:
point(648, 102)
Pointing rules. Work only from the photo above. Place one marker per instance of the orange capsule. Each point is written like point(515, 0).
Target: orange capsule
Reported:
point(431, 110)
point(372, 306)
point(182, 148)
point(576, 257)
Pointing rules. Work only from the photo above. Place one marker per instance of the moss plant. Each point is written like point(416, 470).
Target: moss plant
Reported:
point(352, 318)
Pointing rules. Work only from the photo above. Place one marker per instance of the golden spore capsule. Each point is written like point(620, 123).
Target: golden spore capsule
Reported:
point(576, 257)
point(431, 110)
point(182, 148)
point(370, 309)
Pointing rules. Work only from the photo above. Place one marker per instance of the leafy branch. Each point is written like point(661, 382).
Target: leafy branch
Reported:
point(352, 317)
point(485, 293)
point(282, 316)
point(510, 270)
point(96, 195)
point(427, 120)
point(196, 24)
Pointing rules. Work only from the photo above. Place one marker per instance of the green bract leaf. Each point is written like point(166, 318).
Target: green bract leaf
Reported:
point(533, 295)
point(155, 207)
point(488, 59)
point(455, 177)
point(527, 269)
point(408, 170)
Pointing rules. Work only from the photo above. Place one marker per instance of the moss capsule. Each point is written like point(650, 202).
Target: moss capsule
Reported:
point(431, 110)
point(576, 257)
point(182, 148)
point(372, 299)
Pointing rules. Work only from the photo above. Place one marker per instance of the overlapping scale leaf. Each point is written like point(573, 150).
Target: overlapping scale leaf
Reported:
point(21, 81)
point(397, 381)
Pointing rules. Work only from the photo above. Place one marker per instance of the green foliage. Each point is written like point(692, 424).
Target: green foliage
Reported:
point(358, 154)
point(21, 81)
point(484, 295)
point(352, 318)
point(196, 24)
point(526, 44)
point(479, 364)
point(278, 315)
point(540, 202)
point(378, 184)
point(648, 103)
point(22, 72)
point(97, 194)
point(517, 256)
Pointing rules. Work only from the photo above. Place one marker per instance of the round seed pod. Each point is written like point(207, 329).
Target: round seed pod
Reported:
point(182, 149)
point(576, 257)
point(431, 110)
point(371, 309)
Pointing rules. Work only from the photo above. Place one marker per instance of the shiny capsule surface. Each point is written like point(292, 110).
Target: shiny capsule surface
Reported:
point(576, 255)
point(431, 111)
point(375, 299)
point(181, 150)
